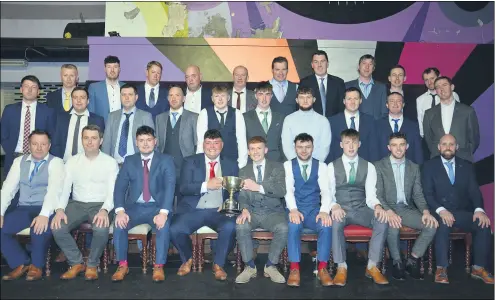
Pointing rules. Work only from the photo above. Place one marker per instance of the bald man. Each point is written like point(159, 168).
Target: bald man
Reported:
point(197, 96)
point(240, 97)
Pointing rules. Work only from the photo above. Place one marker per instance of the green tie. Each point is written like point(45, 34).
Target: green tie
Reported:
point(352, 173)
point(264, 123)
point(304, 173)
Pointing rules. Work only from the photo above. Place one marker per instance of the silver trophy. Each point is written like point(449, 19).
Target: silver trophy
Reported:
point(232, 184)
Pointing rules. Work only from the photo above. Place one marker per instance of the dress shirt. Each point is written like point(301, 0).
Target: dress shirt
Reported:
point(276, 88)
point(370, 184)
point(147, 92)
point(113, 91)
point(240, 133)
point(130, 144)
point(243, 99)
point(447, 170)
point(392, 122)
point(366, 87)
point(204, 185)
point(255, 170)
point(447, 111)
point(400, 92)
point(261, 116)
point(423, 103)
point(179, 112)
point(311, 123)
point(193, 100)
point(56, 174)
point(32, 110)
point(399, 178)
point(318, 79)
point(91, 180)
point(348, 119)
point(63, 97)
point(70, 133)
point(325, 192)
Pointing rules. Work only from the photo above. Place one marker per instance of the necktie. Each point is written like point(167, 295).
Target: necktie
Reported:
point(124, 134)
point(353, 125)
point(37, 165)
point(212, 169)
point(352, 173)
point(152, 98)
point(323, 96)
point(396, 125)
point(281, 93)
point(75, 138)
point(398, 181)
point(264, 122)
point(174, 119)
point(304, 172)
point(260, 176)
point(451, 171)
point(27, 130)
point(67, 101)
point(222, 118)
point(239, 100)
point(433, 102)
point(146, 178)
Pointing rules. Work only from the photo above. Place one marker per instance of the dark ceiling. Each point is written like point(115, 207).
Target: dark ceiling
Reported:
point(40, 50)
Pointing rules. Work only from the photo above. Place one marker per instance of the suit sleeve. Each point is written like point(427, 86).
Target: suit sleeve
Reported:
point(380, 186)
point(474, 132)
point(100, 122)
point(383, 102)
point(107, 137)
point(474, 189)
point(167, 201)
point(51, 121)
point(274, 186)
point(92, 98)
point(340, 97)
point(427, 180)
point(121, 186)
point(4, 132)
point(159, 131)
point(188, 187)
point(148, 121)
point(194, 118)
point(417, 144)
point(417, 192)
point(428, 134)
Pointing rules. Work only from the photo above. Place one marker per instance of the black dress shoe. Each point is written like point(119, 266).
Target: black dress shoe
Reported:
point(413, 268)
point(398, 271)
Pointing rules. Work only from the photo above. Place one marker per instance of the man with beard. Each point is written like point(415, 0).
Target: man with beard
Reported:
point(451, 190)
point(151, 96)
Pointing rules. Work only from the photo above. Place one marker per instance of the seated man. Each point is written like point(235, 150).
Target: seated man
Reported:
point(201, 189)
point(144, 194)
point(263, 206)
point(91, 178)
point(353, 185)
point(398, 187)
point(39, 178)
point(307, 184)
point(451, 190)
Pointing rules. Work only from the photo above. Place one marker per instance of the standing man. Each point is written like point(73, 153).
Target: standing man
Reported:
point(197, 97)
point(396, 78)
point(151, 97)
point(104, 96)
point(240, 97)
point(329, 99)
point(144, 194)
point(284, 91)
point(61, 99)
point(90, 176)
point(262, 203)
point(451, 117)
point(39, 178)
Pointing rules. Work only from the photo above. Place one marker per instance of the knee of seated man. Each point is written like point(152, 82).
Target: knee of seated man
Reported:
point(229, 225)
point(295, 227)
point(243, 228)
point(281, 228)
point(100, 230)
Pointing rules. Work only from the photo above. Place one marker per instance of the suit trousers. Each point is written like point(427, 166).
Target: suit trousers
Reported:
point(17, 220)
point(77, 213)
point(275, 222)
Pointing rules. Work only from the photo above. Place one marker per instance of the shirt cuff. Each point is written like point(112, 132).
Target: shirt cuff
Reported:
point(45, 212)
point(262, 190)
point(204, 189)
point(325, 210)
point(119, 209)
point(164, 211)
point(373, 203)
point(439, 210)
point(480, 209)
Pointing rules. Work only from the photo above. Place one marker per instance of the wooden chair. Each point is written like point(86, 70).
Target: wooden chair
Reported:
point(202, 234)
point(307, 235)
point(139, 232)
point(458, 234)
point(24, 236)
point(152, 250)
point(80, 238)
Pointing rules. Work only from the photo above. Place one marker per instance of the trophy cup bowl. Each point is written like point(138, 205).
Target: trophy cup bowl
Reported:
point(232, 184)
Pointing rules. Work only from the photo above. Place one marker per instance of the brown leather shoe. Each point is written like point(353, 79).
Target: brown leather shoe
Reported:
point(119, 275)
point(158, 274)
point(483, 275)
point(294, 278)
point(441, 276)
point(324, 277)
point(34, 273)
point(91, 273)
point(219, 273)
point(73, 272)
point(340, 278)
point(376, 275)
point(16, 273)
point(185, 268)
point(61, 257)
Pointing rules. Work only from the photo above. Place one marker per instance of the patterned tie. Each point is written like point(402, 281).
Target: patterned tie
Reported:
point(67, 101)
point(396, 125)
point(353, 125)
point(152, 98)
point(304, 172)
point(174, 119)
point(260, 176)
point(433, 102)
point(222, 118)
point(75, 138)
point(239, 100)
point(352, 173)
point(212, 169)
point(264, 122)
point(124, 135)
point(37, 165)
point(27, 130)
point(323, 96)
point(450, 166)
point(146, 178)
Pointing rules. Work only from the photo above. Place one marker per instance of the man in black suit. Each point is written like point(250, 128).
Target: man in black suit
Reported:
point(61, 99)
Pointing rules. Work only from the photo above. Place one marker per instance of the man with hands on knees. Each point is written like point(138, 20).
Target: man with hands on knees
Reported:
point(148, 177)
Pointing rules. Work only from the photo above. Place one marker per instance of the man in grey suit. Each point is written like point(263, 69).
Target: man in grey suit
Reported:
point(119, 139)
point(451, 117)
point(265, 122)
point(263, 206)
point(398, 187)
point(240, 97)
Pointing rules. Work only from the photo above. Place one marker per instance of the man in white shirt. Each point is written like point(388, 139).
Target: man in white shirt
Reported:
point(197, 96)
point(91, 178)
point(240, 97)
point(152, 97)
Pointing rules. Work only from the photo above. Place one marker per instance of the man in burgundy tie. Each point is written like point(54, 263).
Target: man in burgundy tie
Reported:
point(148, 178)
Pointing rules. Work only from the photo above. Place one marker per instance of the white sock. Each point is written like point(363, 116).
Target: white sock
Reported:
point(343, 265)
point(371, 264)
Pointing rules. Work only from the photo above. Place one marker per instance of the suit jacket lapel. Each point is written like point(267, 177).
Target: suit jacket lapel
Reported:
point(256, 121)
point(250, 172)
point(455, 116)
point(408, 180)
point(39, 117)
point(390, 174)
point(276, 120)
point(436, 121)
point(183, 120)
point(140, 170)
point(106, 105)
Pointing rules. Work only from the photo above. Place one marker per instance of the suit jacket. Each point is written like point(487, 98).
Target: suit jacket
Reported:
point(44, 120)
point(54, 101)
point(273, 184)
point(129, 183)
point(463, 195)
point(161, 104)
point(188, 138)
point(112, 129)
point(367, 137)
point(464, 128)
point(410, 129)
point(98, 98)
point(251, 101)
point(386, 190)
point(193, 175)
point(273, 137)
point(59, 139)
point(375, 104)
point(335, 94)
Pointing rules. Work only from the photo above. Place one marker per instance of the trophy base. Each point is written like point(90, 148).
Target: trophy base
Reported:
point(230, 212)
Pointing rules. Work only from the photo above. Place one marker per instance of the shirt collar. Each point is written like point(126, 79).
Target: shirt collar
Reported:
point(150, 157)
point(85, 113)
point(390, 118)
point(258, 110)
point(32, 105)
point(207, 160)
point(400, 92)
point(362, 83)
point(225, 109)
point(395, 161)
point(348, 114)
point(347, 160)
point(451, 105)
point(284, 83)
point(263, 163)
point(30, 157)
point(198, 91)
point(444, 160)
point(309, 162)
point(108, 83)
point(179, 111)
point(318, 78)
point(133, 111)
point(243, 91)
point(156, 87)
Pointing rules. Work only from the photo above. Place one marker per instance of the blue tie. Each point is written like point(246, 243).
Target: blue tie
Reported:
point(451, 171)
point(353, 125)
point(124, 134)
point(174, 119)
point(260, 176)
point(37, 165)
point(396, 125)
point(323, 95)
point(152, 98)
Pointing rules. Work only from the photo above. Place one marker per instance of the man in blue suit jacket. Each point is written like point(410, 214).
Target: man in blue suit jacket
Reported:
point(21, 118)
point(151, 96)
point(451, 190)
point(397, 122)
point(202, 197)
point(104, 96)
point(61, 99)
point(144, 194)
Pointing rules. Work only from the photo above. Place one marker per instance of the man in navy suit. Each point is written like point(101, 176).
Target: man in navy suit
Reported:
point(151, 96)
point(202, 198)
point(61, 99)
point(197, 97)
point(144, 194)
point(451, 190)
point(397, 77)
point(21, 118)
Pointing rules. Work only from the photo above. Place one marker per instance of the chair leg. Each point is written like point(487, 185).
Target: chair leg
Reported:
point(105, 259)
point(238, 259)
point(450, 252)
point(430, 259)
point(330, 264)
point(200, 254)
point(467, 242)
point(384, 261)
point(286, 259)
point(409, 246)
point(145, 254)
point(153, 249)
point(194, 242)
point(48, 260)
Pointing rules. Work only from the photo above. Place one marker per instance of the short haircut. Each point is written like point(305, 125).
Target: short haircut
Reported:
point(264, 86)
point(256, 140)
point(280, 59)
point(303, 137)
point(69, 66)
point(111, 60)
point(129, 86)
point(395, 93)
point(367, 56)
point(432, 69)
point(176, 86)
point(302, 90)
point(80, 88)
point(40, 132)
point(397, 135)
point(154, 63)
point(398, 67)
point(443, 77)
point(145, 130)
point(213, 134)
point(319, 52)
point(220, 88)
point(353, 89)
point(241, 66)
point(93, 127)
point(349, 133)
point(31, 78)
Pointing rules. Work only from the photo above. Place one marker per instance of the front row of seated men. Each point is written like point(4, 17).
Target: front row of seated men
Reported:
point(322, 198)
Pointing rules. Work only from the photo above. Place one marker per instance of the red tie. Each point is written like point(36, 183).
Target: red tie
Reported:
point(27, 131)
point(212, 169)
point(146, 186)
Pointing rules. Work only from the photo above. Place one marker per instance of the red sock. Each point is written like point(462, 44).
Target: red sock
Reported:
point(123, 263)
point(322, 265)
point(158, 266)
point(294, 266)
